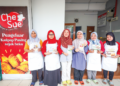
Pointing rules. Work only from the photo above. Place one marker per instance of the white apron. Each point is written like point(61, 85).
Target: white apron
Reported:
point(93, 60)
point(109, 63)
point(52, 61)
point(35, 59)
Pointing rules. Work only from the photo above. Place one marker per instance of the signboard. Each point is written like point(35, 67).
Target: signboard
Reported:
point(13, 35)
point(102, 19)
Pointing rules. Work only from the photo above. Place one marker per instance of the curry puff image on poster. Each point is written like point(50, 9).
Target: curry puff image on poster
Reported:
point(13, 35)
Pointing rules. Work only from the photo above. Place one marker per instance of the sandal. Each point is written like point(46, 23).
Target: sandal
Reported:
point(69, 82)
point(64, 83)
point(95, 81)
point(81, 82)
point(76, 82)
point(104, 81)
point(110, 83)
point(32, 84)
point(88, 80)
point(41, 82)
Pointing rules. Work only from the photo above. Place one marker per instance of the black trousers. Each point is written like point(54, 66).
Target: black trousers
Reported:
point(78, 74)
point(34, 75)
point(111, 74)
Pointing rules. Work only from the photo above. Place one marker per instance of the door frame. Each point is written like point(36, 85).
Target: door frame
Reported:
point(87, 31)
point(74, 24)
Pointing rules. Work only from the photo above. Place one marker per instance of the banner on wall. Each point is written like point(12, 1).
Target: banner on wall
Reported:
point(13, 35)
point(102, 20)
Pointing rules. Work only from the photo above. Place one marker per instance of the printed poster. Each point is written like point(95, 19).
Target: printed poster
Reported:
point(14, 32)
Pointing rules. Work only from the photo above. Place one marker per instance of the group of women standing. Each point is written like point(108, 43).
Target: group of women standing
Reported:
point(81, 54)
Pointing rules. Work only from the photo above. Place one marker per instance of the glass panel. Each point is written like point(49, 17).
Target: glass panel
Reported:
point(70, 27)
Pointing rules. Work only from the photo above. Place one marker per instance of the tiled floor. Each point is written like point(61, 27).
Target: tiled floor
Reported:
point(27, 83)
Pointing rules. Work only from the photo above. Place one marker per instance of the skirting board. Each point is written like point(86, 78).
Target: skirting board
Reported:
point(16, 76)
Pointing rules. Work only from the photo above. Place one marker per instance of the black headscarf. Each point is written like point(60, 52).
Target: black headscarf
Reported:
point(113, 41)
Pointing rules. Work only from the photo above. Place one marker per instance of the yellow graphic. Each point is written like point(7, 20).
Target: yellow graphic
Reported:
point(6, 67)
point(20, 58)
point(14, 71)
point(24, 63)
point(13, 60)
point(19, 50)
point(24, 52)
point(4, 59)
point(14, 64)
point(23, 68)
point(10, 50)
point(6, 51)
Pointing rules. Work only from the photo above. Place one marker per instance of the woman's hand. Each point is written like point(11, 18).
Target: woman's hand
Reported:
point(91, 51)
point(77, 50)
point(39, 49)
point(66, 54)
point(73, 47)
point(56, 52)
point(115, 56)
point(104, 55)
point(99, 51)
point(85, 44)
point(27, 50)
point(47, 53)
point(31, 50)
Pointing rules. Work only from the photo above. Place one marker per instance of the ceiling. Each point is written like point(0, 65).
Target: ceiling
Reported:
point(86, 1)
point(85, 5)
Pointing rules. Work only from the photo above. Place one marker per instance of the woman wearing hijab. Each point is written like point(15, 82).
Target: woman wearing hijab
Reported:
point(35, 59)
point(50, 50)
point(65, 42)
point(109, 59)
point(96, 47)
point(79, 57)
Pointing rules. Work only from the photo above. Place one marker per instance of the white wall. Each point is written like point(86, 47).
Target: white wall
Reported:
point(48, 14)
point(85, 19)
point(18, 3)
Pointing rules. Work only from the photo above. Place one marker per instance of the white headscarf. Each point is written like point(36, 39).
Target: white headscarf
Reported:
point(31, 39)
point(77, 41)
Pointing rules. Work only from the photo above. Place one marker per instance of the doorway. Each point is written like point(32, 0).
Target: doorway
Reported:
point(77, 29)
point(90, 29)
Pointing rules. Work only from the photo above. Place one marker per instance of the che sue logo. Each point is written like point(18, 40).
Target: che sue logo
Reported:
point(13, 20)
